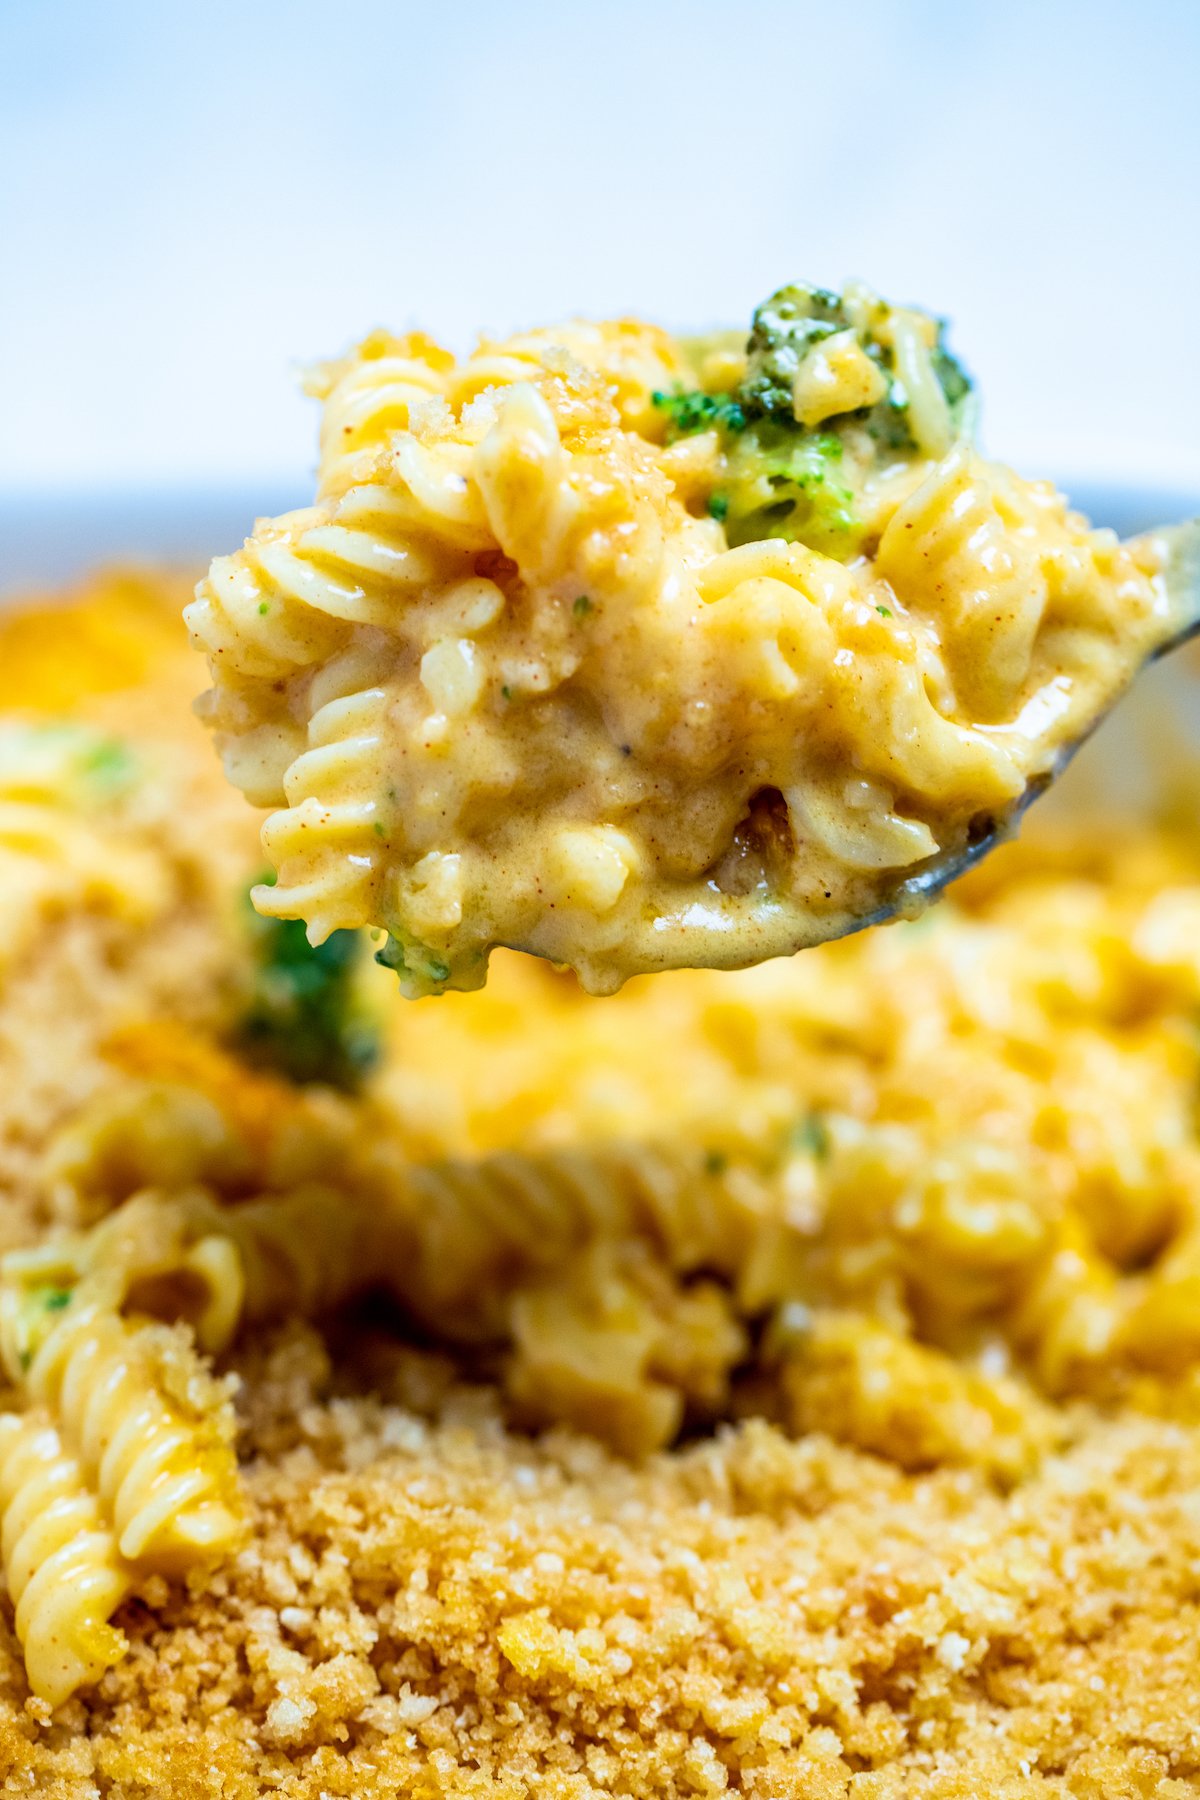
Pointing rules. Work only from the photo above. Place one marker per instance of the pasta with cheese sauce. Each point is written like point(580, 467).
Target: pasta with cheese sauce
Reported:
point(637, 652)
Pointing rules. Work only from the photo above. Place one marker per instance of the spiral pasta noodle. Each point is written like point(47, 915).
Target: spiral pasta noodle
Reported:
point(450, 1239)
point(369, 397)
point(302, 1252)
point(574, 1268)
point(145, 1247)
point(471, 1247)
point(541, 1253)
point(457, 1241)
point(973, 1301)
point(64, 1573)
point(613, 1342)
point(482, 1228)
point(122, 1464)
point(166, 1480)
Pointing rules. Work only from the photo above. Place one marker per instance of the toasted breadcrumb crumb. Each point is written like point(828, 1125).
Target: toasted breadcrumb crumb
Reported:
point(431, 1605)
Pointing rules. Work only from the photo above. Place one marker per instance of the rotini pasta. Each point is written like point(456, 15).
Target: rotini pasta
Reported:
point(611, 1331)
point(123, 1463)
point(478, 1228)
point(302, 1252)
point(614, 1343)
point(450, 1239)
point(125, 1398)
point(638, 654)
point(63, 1571)
point(619, 1245)
point(755, 1166)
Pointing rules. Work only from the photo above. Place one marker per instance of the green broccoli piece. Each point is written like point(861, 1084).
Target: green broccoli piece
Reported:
point(789, 483)
point(303, 1016)
point(887, 421)
point(956, 384)
point(111, 765)
point(89, 765)
point(421, 970)
point(783, 479)
point(787, 326)
point(692, 410)
point(782, 332)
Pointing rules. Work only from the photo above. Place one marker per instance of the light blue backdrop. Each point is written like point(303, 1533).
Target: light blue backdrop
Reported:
point(196, 198)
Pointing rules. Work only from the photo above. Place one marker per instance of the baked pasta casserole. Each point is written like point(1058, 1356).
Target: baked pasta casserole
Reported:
point(782, 1382)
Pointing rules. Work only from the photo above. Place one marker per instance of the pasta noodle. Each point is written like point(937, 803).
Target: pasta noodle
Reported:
point(613, 1343)
point(595, 1266)
point(64, 1573)
point(479, 1226)
point(122, 1464)
point(571, 656)
point(610, 1336)
point(123, 1395)
point(304, 1252)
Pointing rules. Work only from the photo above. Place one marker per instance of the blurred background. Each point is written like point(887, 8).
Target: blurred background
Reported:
point(198, 200)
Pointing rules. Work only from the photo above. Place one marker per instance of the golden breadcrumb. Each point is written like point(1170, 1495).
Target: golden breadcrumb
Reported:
point(433, 1606)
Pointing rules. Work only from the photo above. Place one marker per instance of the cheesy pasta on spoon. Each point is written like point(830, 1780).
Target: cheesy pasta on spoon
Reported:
point(638, 652)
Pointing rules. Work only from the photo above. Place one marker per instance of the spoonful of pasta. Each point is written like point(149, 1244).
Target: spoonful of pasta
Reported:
point(640, 653)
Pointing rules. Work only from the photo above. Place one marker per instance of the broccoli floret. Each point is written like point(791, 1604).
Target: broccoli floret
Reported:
point(782, 478)
point(82, 764)
point(303, 1016)
point(887, 421)
point(782, 332)
point(110, 765)
point(795, 319)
